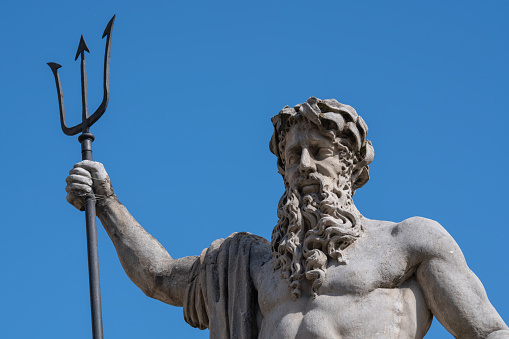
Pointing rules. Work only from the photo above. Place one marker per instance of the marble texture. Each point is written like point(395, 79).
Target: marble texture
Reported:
point(328, 272)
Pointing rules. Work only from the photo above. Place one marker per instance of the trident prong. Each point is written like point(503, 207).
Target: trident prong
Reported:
point(86, 138)
point(87, 121)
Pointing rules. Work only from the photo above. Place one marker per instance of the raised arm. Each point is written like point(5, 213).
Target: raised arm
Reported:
point(453, 293)
point(143, 258)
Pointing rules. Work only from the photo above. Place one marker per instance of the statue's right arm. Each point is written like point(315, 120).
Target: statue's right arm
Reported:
point(452, 292)
point(143, 258)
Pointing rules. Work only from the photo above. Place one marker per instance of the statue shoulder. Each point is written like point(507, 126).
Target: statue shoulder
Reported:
point(424, 238)
point(257, 247)
point(261, 254)
point(237, 246)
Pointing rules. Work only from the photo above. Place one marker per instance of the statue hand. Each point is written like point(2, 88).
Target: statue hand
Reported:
point(85, 177)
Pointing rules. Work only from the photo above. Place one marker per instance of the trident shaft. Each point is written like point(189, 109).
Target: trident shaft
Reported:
point(86, 138)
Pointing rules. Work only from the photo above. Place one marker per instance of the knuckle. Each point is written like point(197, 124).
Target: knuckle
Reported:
point(77, 187)
point(79, 171)
point(79, 179)
point(90, 163)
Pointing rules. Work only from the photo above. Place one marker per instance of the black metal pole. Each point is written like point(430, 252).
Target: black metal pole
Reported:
point(86, 139)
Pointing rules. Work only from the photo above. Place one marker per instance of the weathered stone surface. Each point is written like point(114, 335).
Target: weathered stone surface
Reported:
point(328, 272)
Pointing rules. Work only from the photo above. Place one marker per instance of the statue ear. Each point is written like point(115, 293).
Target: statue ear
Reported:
point(274, 148)
point(273, 143)
point(360, 175)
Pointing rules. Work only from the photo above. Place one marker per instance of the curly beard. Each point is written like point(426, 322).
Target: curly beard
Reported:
point(312, 229)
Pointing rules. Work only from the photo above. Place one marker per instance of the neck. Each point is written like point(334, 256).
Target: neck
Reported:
point(349, 206)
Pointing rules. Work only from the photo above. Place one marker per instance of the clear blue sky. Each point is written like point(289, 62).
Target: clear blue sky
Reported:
point(185, 137)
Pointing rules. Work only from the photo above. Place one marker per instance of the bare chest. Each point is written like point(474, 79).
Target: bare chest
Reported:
point(373, 263)
point(374, 295)
point(382, 313)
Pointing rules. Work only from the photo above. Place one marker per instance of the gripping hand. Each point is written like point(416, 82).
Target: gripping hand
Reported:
point(85, 177)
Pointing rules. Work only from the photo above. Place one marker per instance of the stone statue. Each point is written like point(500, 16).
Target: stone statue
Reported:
point(328, 272)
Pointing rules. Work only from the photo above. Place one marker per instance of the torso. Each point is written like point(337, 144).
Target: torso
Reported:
point(375, 295)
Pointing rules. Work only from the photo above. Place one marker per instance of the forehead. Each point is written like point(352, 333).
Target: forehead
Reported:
point(303, 134)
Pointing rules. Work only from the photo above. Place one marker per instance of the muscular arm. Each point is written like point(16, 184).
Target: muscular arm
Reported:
point(143, 258)
point(452, 291)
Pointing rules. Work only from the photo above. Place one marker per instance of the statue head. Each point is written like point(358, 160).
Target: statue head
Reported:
point(323, 156)
point(338, 123)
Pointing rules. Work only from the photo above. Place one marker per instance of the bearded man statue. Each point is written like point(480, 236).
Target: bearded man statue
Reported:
point(317, 218)
point(328, 272)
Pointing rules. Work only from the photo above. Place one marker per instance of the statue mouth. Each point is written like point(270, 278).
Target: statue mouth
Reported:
point(309, 185)
point(310, 188)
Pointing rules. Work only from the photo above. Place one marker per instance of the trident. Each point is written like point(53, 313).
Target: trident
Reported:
point(86, 138)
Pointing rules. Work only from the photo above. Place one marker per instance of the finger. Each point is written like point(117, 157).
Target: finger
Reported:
point(80, 171)
point(78, 179)
point(95, 168)
point(78, 188)
point(90, 165)
point(75, 200)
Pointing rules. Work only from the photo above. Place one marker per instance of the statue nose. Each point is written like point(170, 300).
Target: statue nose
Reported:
point(307, 164)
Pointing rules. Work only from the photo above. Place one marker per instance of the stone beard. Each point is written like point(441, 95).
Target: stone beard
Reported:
point(315, 227)
point(312, 229)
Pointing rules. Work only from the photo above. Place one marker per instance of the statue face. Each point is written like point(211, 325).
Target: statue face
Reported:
point(311, 158)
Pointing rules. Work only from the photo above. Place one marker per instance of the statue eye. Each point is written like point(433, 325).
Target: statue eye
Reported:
point(293, 157)
point(292, 160)
point(323, 153)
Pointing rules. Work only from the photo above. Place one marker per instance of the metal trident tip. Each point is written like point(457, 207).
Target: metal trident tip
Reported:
point(54, 66)
point(82, 47)
point(88, 120)
point(109, 27)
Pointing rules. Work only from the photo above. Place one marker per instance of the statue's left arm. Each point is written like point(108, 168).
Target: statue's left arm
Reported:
point(452, 291)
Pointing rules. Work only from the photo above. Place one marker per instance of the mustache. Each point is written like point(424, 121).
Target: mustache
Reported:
point(311, 179)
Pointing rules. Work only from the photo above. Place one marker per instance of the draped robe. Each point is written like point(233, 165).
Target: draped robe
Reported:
point(220, 294)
